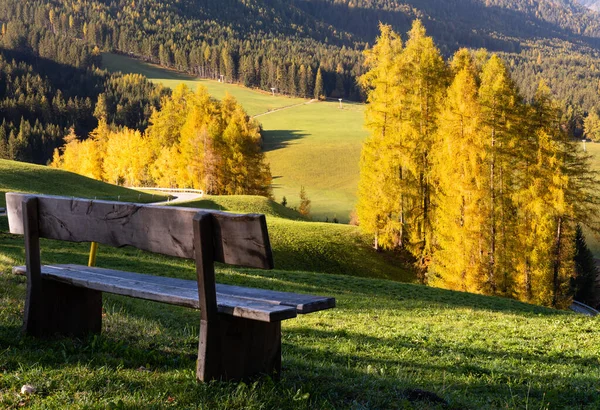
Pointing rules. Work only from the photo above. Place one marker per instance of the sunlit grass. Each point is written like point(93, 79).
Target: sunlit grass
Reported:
point(386, 345)
point(254, 101)
point(30, 178)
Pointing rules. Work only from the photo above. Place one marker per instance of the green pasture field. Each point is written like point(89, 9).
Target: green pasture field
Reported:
point(254, 101)
point(593, 241)
point(316, 145)
point(386, 345)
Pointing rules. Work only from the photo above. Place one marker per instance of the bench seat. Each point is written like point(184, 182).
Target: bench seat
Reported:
point(250, 303)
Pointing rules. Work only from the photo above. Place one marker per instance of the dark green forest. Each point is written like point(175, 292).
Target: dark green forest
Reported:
point(50, 81)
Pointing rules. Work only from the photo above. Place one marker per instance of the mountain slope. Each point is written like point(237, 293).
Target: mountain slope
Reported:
point(282, 44)
point(590, 4)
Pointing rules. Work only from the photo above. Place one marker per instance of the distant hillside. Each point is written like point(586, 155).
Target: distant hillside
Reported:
point(283, 43)
point(23, 177)
point(590, 4)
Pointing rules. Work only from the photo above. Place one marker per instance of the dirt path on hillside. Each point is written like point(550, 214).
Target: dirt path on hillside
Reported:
point(283, 108)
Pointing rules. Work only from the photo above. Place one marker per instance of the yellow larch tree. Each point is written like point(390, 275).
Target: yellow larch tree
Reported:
point(458, 160)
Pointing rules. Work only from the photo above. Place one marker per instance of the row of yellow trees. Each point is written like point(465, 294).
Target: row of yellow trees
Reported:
point(193, 141)
point(484, 190)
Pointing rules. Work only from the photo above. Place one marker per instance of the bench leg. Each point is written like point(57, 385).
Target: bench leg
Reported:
point(59, 308)
point(234, 348)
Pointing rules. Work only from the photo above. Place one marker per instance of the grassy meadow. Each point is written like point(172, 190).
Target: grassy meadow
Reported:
point(254, 101)
point(387, 345)
point(316, 145)
point(30, 178)
point(593, 242)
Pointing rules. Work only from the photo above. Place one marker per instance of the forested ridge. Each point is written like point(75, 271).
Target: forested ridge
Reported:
point(41, 99)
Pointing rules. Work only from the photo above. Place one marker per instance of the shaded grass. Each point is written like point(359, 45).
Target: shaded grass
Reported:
point(384, 342)
point(23, 177)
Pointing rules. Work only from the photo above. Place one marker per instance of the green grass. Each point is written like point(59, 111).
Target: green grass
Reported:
point(382, 346)
point(314, 145)
point(24, 177)
point(593, 242)
point(254, 101)
point(244, 204)
point(386, 345)
point(315, 246)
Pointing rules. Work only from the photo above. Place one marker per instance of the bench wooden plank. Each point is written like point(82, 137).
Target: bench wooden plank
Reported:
point(174, 291)
point(238, 239)
point(303, 303)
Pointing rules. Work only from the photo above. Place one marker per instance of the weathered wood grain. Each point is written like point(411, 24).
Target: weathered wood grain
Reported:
point(303, 303)
point(52, 307)
point(173, 291)
point(237, 239)
point(240, 349)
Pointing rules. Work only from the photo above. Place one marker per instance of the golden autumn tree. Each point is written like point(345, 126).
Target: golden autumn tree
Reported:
point(501, 127)
point(425, 78)
point(127, 158)
point(379, 207)
point(457, 161)
point(405, 88)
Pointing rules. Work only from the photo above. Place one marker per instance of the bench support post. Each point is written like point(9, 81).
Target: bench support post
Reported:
point(230, 348)
point(235, 348)
point(52, 307)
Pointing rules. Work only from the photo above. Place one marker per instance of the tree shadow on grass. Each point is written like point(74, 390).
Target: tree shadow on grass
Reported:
point(277, 139)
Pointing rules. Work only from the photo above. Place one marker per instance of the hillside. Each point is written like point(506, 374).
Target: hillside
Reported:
point(296, 132)
point(386, 345)
point(315, 247)
point(297, 245)
point(283, 44)
point(23, 177)
point(245, 204)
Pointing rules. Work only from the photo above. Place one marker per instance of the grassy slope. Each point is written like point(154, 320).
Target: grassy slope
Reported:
point(383, 343)
point(316, 146)
point(313, 145)
point(315, 246)
point(245, 204)
point(594, 150)
point(255, 102)
point(382, 347)
point(24, 177)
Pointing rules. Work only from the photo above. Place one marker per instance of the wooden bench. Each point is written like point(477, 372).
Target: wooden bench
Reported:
point(240, 328)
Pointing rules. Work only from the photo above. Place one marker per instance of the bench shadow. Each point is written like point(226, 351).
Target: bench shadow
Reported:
point(277, 139)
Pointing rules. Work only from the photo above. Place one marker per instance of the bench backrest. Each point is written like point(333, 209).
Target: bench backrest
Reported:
point(237, 239)
point(203, 235)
